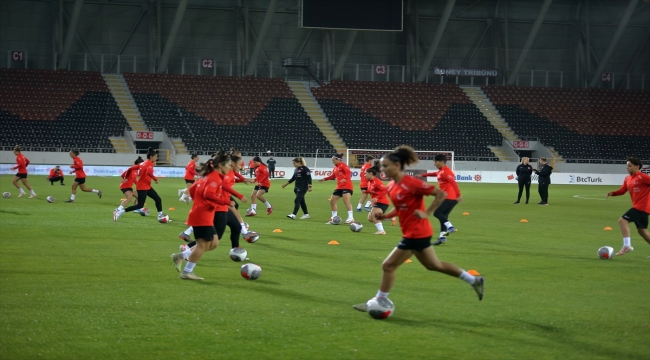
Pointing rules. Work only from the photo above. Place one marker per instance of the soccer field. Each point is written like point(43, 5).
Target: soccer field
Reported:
point(77, 285)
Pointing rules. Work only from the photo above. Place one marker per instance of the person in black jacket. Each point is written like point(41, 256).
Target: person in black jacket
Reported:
point(544, 180)
point(302, 177)
point(270, 163)
point(524, 172)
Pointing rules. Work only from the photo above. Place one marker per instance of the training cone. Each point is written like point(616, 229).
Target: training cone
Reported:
point(466, 213)
point(523, 220)
point(607, 228)
point(408, 261)
point(277, 230)
point(473, 272)
point(122, 199)
point(333, 242)
point(329, 199)
point(172, 209)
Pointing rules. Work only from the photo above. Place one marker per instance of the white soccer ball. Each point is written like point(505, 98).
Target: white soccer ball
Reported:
point(251, 271)
point(6, 194)
point(606, 252)
point(250, 212)
point(51, 199)
point(252, 236)
point(356, 227)
point(238, 254)
point(336, 220)
point(163, 219)
point(380, 308)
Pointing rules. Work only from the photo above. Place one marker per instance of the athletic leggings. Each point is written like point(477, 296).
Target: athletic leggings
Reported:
point(443, 212)
point(299, 201)
point(521, 189)
point(221, 220)
point(142, 196)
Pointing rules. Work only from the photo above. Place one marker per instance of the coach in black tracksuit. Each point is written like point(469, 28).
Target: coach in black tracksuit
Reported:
point(524, 173)
point(302, 177)
point(270, 163)
point(544, 180)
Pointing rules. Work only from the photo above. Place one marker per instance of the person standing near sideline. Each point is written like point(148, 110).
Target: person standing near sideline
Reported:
point(21, 165)
point(544, 180)
point(270, 163)
point(302, 177)
point(251, 168)
point(638, 184)
point(524, 173)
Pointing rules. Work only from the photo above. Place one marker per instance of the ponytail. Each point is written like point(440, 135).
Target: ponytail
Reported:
point(404, 155)
point(138, 160)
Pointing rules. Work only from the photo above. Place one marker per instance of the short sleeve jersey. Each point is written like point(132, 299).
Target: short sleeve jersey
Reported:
point(408, 196)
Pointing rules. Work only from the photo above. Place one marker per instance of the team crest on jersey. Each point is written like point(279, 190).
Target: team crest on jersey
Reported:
point(213, 184)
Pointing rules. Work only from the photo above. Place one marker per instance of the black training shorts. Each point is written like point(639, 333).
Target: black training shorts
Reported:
point(414, 244)
point(204, 232)
point(340, 192)
point(638, 217)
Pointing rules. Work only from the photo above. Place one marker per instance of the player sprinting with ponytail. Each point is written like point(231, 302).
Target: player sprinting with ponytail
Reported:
point(190, 174)
point(80, 177)
point(343, 176)
point(262, 186)
point(126, 186)
point(21, 165)
point(378, 198)
point(370, 162)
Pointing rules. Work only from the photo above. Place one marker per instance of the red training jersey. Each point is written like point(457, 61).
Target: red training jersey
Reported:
point(145, 170)
point(78, 167)
point(364, 181)
point(21, 164)
point(128, 178)
point(262, 175)
point(190, 170)
point(205, 193)
point(343, 176)
point(446, 182)
point(639, 187)
point(54, 174)
point(251, 164)
point(378, 191)
point(408, 196)
point(227, 183)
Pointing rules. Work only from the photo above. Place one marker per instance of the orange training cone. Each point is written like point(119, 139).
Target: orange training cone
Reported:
point(408, 261)
point(277, 230)
point(523, 220)
point(607, 228)
point(333, 242)
point(473, 272)
point(172, 209)
point(466, 213)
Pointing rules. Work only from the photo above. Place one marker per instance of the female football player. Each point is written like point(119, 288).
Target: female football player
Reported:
point(407, 194)
point(262, 185)
point(190, 174)
point(21, 164)
point(370, 162)
point(126, 186)
point(343, 189)
point(302, 177)
point(80, 177)
point(378, 198)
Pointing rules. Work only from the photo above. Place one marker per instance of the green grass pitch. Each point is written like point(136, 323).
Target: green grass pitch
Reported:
point(76, 285)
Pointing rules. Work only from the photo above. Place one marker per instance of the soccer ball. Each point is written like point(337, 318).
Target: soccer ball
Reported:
point(252, 236)
point(6, 194)
point(163, 219)
point(356, 227)
point(606, 252)
point(380, 308)
point(51, 199)
point(251, 271)
point(336, 220)
point(238, 254)
point(250, 212)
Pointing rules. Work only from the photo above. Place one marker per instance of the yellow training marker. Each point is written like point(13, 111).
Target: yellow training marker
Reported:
point(333, 242)
point(277, 230)
point(466, 213)
point(607, 228)
point(523, 220)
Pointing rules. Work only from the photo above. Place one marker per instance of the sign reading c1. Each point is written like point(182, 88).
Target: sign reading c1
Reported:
point(18, 55)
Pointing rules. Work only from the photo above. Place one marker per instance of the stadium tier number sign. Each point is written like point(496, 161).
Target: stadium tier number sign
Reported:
point(18, 55)
point(521, 144)
point(380, 69)
point(207, 63)
point(606, 77)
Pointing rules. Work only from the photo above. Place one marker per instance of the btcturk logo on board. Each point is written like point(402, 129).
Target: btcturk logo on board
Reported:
point(584, 179)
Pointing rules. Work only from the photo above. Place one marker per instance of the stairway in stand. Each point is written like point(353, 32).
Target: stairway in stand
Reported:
point(125, 102)
point(308, 102)
point(478, 97)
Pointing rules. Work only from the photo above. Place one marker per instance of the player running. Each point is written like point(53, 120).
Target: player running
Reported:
point(80, 177)
point(370, 162)
point(447, 183)
point(262, 185)
point(638, 184)
point(190, 174)
point(343, 176)
point(407, 194)
point(378, 198)
point(126, 186)
point(21, 165)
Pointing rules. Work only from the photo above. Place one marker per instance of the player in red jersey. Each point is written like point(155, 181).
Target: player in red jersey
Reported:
point(251, 168)
point(143, 185)
point(207, 195)
point(80, 177)
point(21, 165)
point(56, 175)
point(378, 197)
point(190, 174)
point(407, 194)
point(370, 162)
point(343, 176)
point(638, 184)
point(126, 186)
point(262, 185)
point(447, 183)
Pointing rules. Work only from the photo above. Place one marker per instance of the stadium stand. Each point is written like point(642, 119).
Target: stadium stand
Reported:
point(583, 125)
point(211, 113)
point(378, 115)
point(44, 110)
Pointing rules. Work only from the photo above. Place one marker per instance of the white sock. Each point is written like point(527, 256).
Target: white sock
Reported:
point(189, 267)
point(32, 192)
point(183, 197)
point(187, 253)
point(254, 207)
point(334, 213)
point(71, 196)
point(120, 212)
point(268, 205)
point(358, 206)
point(21, 190)
point(442, 233)
point(448, 225)
point(243, 229)
point(188, 231)
point(470, 279)
point(160, 213)
point(382, 294)
point(350, 215)
point(627, 241)
point(95, 191)
point(368, 203)
point(379, 226)
point(120, 207)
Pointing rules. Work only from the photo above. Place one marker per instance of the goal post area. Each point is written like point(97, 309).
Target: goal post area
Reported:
point(355, 158)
